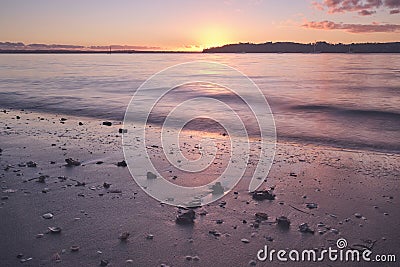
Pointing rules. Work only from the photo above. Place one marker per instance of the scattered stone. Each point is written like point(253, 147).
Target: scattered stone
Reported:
point(47, 216)
point(252, 263)
point(71, 162)
point(74, 248)
point(149, 237)
point(80, 183)
point(31, 164)
point(107, 123)
point(42, 178)
point(264, 194)
point(80, 123)
point(63, 119)
point(116, 191)
point(151, 175)
point(293, 174)
point(186, 218)
point(122, 131)
point(312, 205)
point(106, 185)
point(283, 222)
point(357, 215)
point(214, 233)
point(335, 231)
point(217, 189)
point(196, 258)
point(55, 229)
point(20, 255)
point(104, 262)
point(39, 235)
point(122, 163)
point(25, 260)
point(304, 228)
point(188, 258)
point(244, 240)
point(219, 221)
point(261, 216)
point(99, 162)
point(124, 236)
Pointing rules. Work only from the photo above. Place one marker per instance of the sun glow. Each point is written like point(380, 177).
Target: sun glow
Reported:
point(213, 36)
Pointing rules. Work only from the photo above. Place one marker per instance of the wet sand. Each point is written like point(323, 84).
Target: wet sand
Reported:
point(343, 183)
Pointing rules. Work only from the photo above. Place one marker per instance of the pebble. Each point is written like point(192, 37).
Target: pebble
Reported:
point(283, 222)
point(104, 262)
point(357, 215)
point(261, 216)
point(74, 248)
point(149, 237)
point(124, 236)
point(264, 194)
point(129, 261)
point(47, 216)
point(244, 240)
point(188, 258)
point(122, 163)
point(71, 162)
point(151, 175)
point(252, 263)
point(312, 205)
point(186, 218)
point(55, 229)
point(107, 123)
point(304, 228)
point(196, 258)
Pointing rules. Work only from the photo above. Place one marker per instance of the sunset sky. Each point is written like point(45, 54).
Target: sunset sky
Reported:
point(194, 25)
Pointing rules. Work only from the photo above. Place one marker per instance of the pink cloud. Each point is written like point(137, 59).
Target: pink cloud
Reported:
point(363, 7)
point(353, 28)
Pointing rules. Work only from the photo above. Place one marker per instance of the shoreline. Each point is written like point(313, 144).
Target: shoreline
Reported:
point(343, 184)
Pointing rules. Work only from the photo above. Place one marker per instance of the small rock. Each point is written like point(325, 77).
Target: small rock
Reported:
point(47, 216)
point(55, 229)
point(124, 236)
point(63, 119)
point(219, 221)
point(151, 175)
point(122, 163)
point(304, 228)
point(104, 262)
point(244, 240)
point(217, 189)
point(149, 237)
point(283, 222)
point(264, 194)
point(293, 174)
point(261, 216)
point(4, 197)
point(71, 162)
point(214, 233)
point(107, 123)
point(120, 130)
point(312, 205)
point(357, 215)
point(196, 258)
point(74, 248)
point(42, 178)
point(99, 162)
point(106, 185)
point(31, 164)
point(80, 123)
point(252, 263)
point(186, 218)
point(20, 255)
point(188, 258)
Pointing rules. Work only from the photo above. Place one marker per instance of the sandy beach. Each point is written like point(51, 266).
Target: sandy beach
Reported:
point(351, 194)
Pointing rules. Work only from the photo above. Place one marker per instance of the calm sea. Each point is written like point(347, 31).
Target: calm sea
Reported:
point(341, 100)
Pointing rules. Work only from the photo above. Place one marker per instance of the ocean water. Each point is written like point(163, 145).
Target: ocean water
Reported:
point(349, 101)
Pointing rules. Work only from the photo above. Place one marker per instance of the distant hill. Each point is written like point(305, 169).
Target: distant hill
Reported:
point(318, 47)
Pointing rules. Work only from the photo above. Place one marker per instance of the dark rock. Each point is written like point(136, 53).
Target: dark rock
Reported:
point(261, 216)
point(106, 185)
point(151, 175)
point(42, 178)
point(124, 236)
point(264, 194)
point(55, 230)
point(121, 131)
point(104, 262)
point(80, 123)
point(71, 162)
point(107, 123)
point(283, 222)
point(63, 119)
point(186, 218)
point(214, 233)
point(31, 164)
point(304, 228)
point(122, 163)
point(312, 205)
point(217, 189)
point(99, 162)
